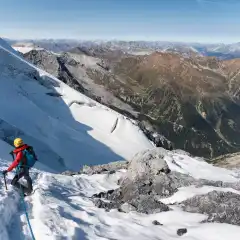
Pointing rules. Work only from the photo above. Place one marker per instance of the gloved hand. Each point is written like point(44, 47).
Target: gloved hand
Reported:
point(4, 172)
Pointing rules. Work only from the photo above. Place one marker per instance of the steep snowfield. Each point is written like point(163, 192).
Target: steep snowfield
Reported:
point(61, 208)
point(66, 128)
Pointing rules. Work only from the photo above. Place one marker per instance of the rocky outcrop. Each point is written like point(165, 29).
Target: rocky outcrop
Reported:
point(221, 207)
point(109, 168)
point(148, 180)
point(141, 184)
point(153, 135)
point(147, 164)
point(155, 222)
point(142, 203)
point(56, 65)
point(105, 168)
point(181, 231)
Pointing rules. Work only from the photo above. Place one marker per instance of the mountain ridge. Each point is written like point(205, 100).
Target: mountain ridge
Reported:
point(219, 50)
point(180, 101)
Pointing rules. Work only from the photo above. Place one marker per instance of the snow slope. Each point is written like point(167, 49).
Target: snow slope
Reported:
point(61, 208)
point(178, 161)
point(25, 47)
point(67, 128)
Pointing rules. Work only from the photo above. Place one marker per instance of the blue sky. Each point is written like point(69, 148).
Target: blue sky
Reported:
point(174, 20)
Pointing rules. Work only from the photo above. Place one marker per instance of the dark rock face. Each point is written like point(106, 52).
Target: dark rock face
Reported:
point(106, 195)
point(155, 222)
point(153, 135)
point(106, 205)
point(56, 65)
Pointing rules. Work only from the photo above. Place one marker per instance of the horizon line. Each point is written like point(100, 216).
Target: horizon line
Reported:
point(116, 40)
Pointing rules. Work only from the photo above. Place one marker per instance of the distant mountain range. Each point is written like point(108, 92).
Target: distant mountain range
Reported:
point(221, 51)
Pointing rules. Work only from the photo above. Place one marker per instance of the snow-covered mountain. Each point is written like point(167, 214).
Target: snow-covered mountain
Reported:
point(67, 130)
point(219, 50)
point(226, 48)
point(132, 47)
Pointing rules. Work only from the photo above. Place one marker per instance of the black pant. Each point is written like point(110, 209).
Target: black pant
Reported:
point(23, 172)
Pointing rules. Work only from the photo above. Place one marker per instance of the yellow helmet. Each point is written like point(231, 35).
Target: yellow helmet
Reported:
point(18, 142)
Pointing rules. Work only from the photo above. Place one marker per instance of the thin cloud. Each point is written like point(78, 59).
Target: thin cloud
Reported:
point(219, 2)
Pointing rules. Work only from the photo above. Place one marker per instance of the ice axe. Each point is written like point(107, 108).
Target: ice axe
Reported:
point(5, 182)
point(4, 175)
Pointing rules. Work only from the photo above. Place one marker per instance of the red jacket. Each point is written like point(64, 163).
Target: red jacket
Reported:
point(19, 157)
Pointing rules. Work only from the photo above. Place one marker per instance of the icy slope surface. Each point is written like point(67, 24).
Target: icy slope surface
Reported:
point(61, 208)
point(66, 128)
